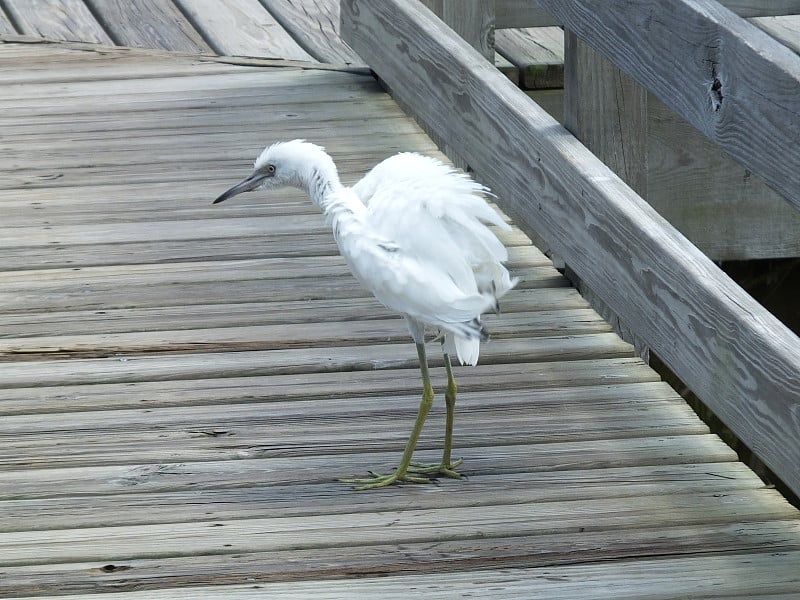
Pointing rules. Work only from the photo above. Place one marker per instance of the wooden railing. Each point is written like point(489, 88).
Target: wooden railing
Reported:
point(738, 358)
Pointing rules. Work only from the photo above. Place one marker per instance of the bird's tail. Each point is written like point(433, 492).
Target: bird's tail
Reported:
point(466, 344)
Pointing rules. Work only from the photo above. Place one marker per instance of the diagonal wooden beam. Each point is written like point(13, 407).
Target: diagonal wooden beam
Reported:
point(733, 353)
point(736, 84)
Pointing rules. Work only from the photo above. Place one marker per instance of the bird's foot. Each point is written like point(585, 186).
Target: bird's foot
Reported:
point(375, 480)
point(447, 470)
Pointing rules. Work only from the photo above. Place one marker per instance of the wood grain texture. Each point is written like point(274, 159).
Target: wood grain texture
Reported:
point(524, 13)
point(744, 575)
point(473, 20)
point(6, 26)
point(724, 345)
point(243, 370)
point(729, 79)
point(546, 550)
point(147, 24)
point(57, 19)
point(241, 28)
point(537, 52)
point(315, 26)
point(785, 29)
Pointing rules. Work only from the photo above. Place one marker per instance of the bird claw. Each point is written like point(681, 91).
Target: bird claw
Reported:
point(437, 469)
point(375, 481)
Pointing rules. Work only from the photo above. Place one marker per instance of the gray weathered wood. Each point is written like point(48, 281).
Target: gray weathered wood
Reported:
point(719, 205)
point(544, 550)
point(473, 20)
point(189, 458)
point(537, 52)
point(5, 25)
point(729, 79)
point(736, 356)
point(242, 27)
point(528, 13)
point(785, 29)
point(147, 24)
point(315, 25)
point(57, 19)
point(745, 575)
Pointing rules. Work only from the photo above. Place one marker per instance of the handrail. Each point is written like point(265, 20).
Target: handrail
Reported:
point(738, 358)
point(528, 13)
point(736, 84)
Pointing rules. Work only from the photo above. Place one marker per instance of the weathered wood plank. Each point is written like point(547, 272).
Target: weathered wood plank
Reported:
point(29, 324)
point(199, 391)
point(226, 248)
point(537, 52)
point(735, 575)
point(289, 417)
point(5, 24)
point(542, 473)
point(120, 501)
point(241, 27)
point(315, 25)
point(719, 72)
point(545, 550)
point(277, 429)
point(148, 24)
point(524, 13)
point(227, 364)
point(724, 345)
point(57, 19)
point(785, 29)
point(131, 292)
point(409, 526)
point(290, 335)
point(724, 209)
point(472, 20)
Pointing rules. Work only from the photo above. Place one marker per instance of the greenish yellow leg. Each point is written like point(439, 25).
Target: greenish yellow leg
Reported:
point(446, 467)
point(402, 471)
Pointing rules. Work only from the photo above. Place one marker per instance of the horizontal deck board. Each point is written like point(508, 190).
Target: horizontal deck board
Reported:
point(337, 563)
point(408, 526)
point(202, 391)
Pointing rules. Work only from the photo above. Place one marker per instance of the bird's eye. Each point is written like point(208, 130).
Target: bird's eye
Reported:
point(271, 169)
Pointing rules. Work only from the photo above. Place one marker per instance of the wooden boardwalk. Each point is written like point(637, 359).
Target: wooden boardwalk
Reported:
point(181, 384)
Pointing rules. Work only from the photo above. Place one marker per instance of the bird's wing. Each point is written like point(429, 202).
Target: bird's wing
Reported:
point(419, 286)
point(422, 186)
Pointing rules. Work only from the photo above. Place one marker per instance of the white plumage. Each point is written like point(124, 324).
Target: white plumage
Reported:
point(414, 233)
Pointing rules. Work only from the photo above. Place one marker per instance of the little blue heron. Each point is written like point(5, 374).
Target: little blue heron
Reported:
point(414, 233)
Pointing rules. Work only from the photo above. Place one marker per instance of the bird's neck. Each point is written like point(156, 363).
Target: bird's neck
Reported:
point(322, 185)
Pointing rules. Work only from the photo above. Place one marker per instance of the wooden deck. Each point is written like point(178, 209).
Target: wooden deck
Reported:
point(181, 384)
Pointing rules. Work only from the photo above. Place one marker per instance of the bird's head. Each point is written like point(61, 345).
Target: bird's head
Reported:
point(284, 164)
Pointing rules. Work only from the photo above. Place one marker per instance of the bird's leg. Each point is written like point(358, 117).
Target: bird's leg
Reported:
point(402, 471)
point(446, 467)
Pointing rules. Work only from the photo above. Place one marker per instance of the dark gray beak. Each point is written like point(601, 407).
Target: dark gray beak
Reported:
point(248, 185)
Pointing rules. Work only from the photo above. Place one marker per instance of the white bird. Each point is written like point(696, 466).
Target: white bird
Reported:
point(414, 233)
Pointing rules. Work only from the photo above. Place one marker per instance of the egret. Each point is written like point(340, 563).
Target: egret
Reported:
point(414, 233)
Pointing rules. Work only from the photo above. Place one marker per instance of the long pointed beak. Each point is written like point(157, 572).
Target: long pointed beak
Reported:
point(247, 185)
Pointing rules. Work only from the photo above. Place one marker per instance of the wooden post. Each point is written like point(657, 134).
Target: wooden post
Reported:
point(729, 213)
point(473, 20)
point(607, 111)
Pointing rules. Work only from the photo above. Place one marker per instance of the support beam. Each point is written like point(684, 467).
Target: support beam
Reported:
point(729, 79)
point(735, 355)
